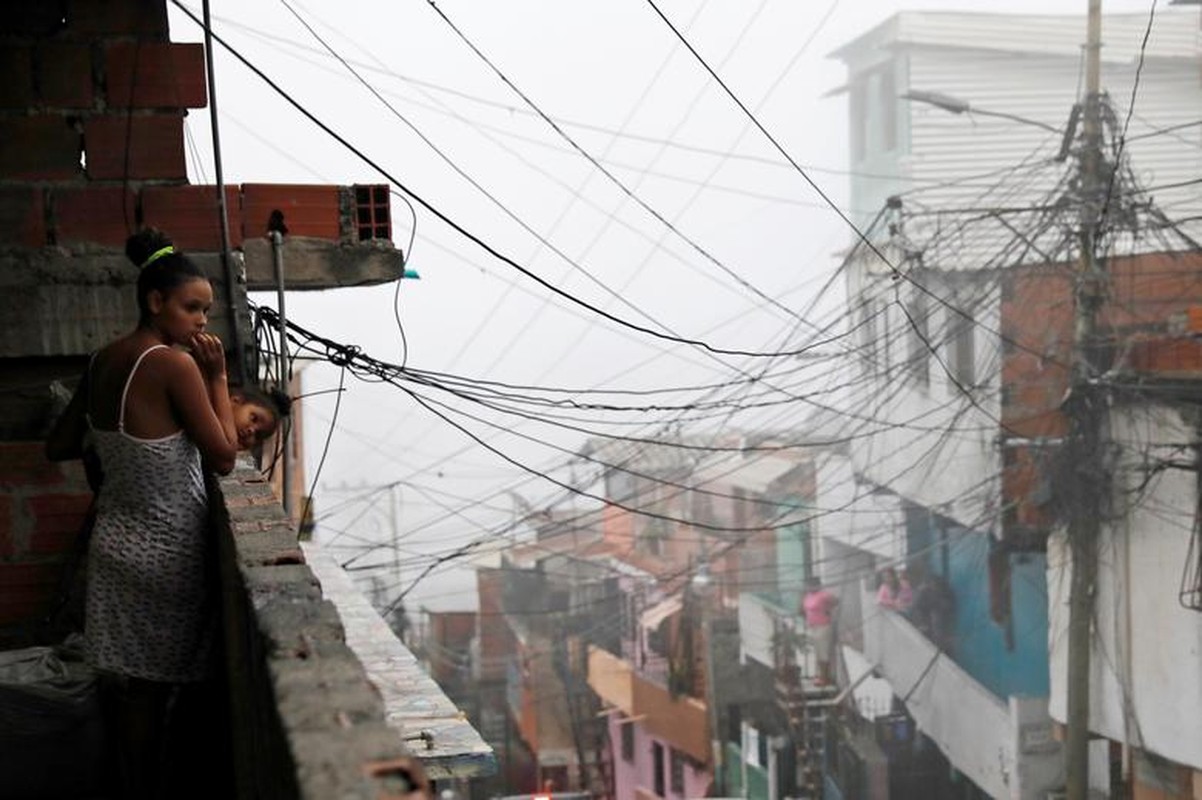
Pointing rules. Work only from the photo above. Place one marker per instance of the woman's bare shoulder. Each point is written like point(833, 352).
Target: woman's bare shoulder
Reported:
point(157, 362)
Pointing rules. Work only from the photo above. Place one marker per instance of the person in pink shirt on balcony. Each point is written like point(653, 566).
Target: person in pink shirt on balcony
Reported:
point(818, 607)
point(894, 593)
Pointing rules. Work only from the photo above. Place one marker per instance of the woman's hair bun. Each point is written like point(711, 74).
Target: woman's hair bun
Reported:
point(145, 243)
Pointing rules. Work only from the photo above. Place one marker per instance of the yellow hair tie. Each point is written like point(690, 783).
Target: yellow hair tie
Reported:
point(157, 254)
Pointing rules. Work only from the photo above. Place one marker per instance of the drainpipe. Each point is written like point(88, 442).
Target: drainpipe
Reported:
point(227, 263)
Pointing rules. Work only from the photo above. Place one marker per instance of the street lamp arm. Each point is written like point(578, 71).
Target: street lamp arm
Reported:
point(948, 103)
point(1023, 120)
point(955, 105)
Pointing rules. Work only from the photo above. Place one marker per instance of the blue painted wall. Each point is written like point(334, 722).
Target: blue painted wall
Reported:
point(981, 646)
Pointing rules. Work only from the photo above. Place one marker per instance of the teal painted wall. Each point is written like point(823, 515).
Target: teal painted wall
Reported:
point(757, 777)
point(1017, 667)
point(792, 559)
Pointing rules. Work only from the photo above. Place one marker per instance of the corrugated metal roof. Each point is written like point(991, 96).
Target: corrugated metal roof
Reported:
point(755, 474)
point(1176, 34)
point(649, 457)
point(525, 555)
point(413, 702)
point(652, 617)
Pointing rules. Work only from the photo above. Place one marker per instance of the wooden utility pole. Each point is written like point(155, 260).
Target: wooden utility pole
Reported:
point(1086, 406)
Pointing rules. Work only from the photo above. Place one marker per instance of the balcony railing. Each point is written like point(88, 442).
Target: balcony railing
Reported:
point(1004, 747)
point(763, 620)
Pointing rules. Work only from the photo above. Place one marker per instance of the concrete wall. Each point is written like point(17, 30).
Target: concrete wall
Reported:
point(853, 516)
point(964, 719)
point(1147, 652)
point(933, 445)
point(757, 626)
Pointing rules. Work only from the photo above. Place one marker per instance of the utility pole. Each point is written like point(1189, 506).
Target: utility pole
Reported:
point(1085, 409)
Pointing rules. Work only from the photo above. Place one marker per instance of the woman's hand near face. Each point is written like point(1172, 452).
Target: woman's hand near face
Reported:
point(209, 354)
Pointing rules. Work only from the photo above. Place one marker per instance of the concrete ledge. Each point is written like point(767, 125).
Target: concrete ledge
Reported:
point(60, 302)
point(311, 263)
point(307, 721)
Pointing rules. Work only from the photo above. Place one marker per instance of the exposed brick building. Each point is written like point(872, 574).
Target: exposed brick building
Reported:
point(92, 111)
point(1145, 323)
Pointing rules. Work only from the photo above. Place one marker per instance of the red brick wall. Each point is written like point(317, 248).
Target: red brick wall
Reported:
point(92, 109)
point(496, 640)
point(452, 633)
point(92, 119)
point(617, 527)
point(1145, 295)
point(42, 507)
point(91, 113)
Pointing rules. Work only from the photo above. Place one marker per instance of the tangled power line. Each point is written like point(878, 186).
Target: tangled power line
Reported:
point(839, 385)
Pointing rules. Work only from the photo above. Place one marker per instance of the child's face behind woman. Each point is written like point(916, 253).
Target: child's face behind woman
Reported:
point(182, 312)
point(253, 422)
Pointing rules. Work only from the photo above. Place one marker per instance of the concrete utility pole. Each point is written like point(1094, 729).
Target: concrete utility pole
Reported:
point(1085, 408)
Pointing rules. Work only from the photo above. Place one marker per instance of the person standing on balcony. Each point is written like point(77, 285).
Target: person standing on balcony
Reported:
point(935, 611)
point(155, 405)
point(818, 606)
point(894, 592)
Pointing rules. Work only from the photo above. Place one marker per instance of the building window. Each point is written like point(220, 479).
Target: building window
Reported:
point(627, 729)
point(874, 336)
point(655, 531)
point(554, 779)
point(734, 724)
point(887, 108)
point(872, 113)
point(857, 116)
point(657, 763)
point(677, 771)
point(961, 348)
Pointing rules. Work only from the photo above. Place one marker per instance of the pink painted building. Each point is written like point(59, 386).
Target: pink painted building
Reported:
point(647, 766)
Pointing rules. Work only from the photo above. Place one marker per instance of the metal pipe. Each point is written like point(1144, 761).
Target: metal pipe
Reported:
point(227, 265)
point(277, 260)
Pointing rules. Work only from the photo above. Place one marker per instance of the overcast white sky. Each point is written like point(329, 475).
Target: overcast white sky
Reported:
point(601, 69)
